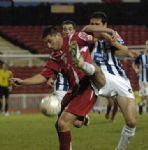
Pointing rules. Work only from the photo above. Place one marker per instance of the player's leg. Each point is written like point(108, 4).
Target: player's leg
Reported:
point(92, 70)
point(114, 111)
point(146, 96)
point(80, 121)
point(6, 101)
point(86, 120)
point(1, 99)
point(75, 107)
point(128, 109)
point(63, 127)
point(146, 103)
point(109, 107)
point(0, 104)
point(141, 105)
point(142, 93)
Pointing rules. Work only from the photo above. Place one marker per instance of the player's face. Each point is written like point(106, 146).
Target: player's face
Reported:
point(99, 23)
point(68, 29)
point(96, 21)
point(54, 42)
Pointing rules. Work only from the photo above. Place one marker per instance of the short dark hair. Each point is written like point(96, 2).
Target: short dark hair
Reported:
point(66, 22)
point(100, 15)
point(50, 30)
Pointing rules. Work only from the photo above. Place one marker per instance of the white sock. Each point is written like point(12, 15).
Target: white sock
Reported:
point(88, 68)
point(126, 135)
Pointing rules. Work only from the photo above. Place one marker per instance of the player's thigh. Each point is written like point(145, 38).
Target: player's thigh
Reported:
point(66, 120)
point(110, 101)
point(128, 108)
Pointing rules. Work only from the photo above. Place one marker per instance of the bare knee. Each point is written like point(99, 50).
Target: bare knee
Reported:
point(62, 125)
point(131, 123)
point(78, 124)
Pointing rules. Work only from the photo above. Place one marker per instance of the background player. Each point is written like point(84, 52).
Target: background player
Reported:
point(112, 108)
point(141, 68)
point(5, 87)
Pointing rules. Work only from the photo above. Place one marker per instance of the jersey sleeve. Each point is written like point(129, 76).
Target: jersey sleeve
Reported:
point(85, 38)
point(50, 69)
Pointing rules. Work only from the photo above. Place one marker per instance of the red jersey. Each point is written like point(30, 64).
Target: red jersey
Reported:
point(62, 60)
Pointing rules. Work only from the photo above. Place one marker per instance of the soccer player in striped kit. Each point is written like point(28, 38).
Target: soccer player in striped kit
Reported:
point(141, 68)
point(117, 83)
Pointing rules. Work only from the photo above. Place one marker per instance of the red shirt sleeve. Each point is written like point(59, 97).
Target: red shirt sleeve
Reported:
point(85, 39)
point(50, 69)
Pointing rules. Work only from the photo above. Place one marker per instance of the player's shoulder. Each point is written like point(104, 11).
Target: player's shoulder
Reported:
point(83, 36)
point(51, 61)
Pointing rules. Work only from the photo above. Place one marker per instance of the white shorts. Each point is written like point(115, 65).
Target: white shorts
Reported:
point(60, 94)
point(116, 85)
point(143, 88)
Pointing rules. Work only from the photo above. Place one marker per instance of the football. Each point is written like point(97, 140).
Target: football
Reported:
point(50, 105)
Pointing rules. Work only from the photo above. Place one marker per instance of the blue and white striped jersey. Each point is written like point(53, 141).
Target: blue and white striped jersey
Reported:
point(61, 82)
point(142, 60)
point(103, 55)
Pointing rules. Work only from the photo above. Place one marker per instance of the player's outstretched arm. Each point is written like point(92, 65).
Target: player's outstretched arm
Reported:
point(96, 28)
point(37, 79)
point(122, 50)
point(127, 53)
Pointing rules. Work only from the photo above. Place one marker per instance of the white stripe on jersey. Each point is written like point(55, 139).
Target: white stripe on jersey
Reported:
point(144, 68)
point(103, 56)
point(61, 83)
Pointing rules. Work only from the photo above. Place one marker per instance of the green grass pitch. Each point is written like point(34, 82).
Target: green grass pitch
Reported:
point(37, 132)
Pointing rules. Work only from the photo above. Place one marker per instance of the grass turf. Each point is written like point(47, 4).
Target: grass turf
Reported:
point(36, 132)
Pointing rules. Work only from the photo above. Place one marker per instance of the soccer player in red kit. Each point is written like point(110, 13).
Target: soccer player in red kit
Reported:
point(80, 97)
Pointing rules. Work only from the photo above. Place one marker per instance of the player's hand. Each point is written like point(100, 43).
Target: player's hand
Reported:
point(16, 81)
point(108, 37)
point(50, 82)
point(137, 71)
point(133, 53)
